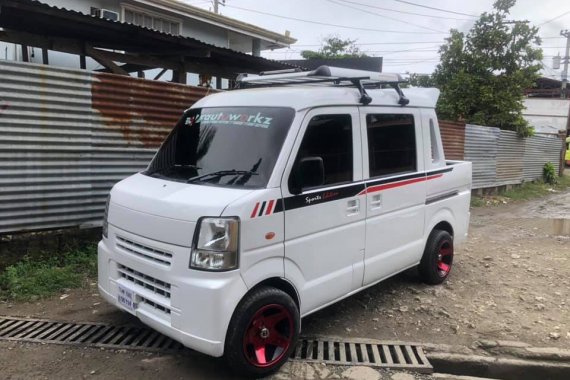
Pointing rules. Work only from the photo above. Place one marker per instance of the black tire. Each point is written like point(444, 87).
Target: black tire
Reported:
point(437, 259)
point(253, 313)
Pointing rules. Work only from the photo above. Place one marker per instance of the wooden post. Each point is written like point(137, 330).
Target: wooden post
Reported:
point(159, 75)
point(45, 56)
point(25, 55)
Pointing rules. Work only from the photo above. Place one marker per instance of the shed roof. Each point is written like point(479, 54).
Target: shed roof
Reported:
point(32, 23)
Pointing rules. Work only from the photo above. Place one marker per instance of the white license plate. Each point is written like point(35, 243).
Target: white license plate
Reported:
point(126, 299)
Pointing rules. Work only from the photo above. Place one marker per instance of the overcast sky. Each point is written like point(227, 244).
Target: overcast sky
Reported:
point(420, 35)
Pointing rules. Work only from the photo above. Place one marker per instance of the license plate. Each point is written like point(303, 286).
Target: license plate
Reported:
point(126, 299)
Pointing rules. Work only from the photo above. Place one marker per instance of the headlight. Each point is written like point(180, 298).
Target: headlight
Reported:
point(215, 244)
point(105, 217)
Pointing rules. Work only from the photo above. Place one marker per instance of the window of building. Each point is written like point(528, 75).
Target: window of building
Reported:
point(152, 21)
point(330, 137)
point(391, 144)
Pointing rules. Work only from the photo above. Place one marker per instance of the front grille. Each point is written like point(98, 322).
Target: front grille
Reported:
point(155, 305)
point(144, 251)
point(154, 285)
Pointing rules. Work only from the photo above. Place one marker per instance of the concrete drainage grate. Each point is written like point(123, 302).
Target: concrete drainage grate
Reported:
point(89, 334)
point(393, 355)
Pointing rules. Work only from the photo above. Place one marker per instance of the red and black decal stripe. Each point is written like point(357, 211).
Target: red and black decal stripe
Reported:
point(372, 186)
point(265, 208)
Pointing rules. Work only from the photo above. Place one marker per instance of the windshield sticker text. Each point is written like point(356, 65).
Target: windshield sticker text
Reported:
point(233, 119)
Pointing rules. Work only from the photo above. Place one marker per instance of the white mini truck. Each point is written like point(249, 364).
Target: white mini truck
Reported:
point(270, 202)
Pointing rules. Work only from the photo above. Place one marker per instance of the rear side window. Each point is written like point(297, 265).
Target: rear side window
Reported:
point(391, 144)
point(330, 137)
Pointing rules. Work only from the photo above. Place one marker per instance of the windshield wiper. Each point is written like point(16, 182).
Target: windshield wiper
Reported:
point(220, 174)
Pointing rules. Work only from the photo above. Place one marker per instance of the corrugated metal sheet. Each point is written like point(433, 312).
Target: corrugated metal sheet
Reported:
point(538, 151)
point(66, 136)
point(481, 149)
point(453, 139)
point(510, 152)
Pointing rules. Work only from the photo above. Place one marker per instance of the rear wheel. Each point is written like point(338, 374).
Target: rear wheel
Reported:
point(437, 260)
point(262, 333)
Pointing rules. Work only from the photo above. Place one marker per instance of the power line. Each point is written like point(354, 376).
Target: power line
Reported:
point(555, 18)
point(384, 16)
point(382, 43)
point(415, 50)
point(435, 9)
point(405, 12)
point(327, 24)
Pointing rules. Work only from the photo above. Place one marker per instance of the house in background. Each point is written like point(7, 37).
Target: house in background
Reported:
point(545, 110)
point(167, 16)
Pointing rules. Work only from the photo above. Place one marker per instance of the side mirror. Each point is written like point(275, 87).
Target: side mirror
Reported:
point(309, 172)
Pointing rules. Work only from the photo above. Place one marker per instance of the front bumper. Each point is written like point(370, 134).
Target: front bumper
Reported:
point(189, 306)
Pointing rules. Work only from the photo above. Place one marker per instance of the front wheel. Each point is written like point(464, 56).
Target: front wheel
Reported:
point(262, 333)
point(437, 260)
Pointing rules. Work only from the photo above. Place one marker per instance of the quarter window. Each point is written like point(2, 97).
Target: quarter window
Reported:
point(330, 138)
point(391, 144)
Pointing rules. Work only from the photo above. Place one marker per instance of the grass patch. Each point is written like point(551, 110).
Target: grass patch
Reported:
point(527, 191)
point(32, 279)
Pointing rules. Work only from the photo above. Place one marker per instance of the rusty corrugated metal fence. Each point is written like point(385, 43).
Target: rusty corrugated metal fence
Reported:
point(499, 157)
point(453, 138)
point(66, 136)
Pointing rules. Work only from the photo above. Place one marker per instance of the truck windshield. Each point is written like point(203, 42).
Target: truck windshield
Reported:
point(230, 146)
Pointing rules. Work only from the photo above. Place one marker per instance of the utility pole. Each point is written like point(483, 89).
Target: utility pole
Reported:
point(565, 33)
point(217, 5)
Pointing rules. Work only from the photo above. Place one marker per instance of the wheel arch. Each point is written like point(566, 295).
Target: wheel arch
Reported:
point(281, 284)
point(441, 220)
point(444, 226)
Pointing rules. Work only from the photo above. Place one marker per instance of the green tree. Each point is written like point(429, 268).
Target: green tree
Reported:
point(335, 47)
point(420, 80)
point(482, 75)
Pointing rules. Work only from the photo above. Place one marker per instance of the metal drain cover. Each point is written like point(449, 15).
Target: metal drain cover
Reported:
point(393, 355)
point(89, 334)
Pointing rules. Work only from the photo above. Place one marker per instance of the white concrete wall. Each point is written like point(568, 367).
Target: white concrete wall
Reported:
point(547, 115)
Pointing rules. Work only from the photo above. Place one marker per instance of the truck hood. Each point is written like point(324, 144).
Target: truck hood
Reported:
point(173, 200)
point(165, 211)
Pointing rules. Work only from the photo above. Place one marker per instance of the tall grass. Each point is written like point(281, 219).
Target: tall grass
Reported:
point(32, 279)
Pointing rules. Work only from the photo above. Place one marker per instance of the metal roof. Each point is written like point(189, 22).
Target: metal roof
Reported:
point(203, 15)
point(36, 21)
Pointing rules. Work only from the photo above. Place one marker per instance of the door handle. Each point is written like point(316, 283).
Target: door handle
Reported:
point(376, 201)
point(353, 207)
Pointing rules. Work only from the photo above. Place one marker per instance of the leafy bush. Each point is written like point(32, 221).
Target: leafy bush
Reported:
point(549, 173)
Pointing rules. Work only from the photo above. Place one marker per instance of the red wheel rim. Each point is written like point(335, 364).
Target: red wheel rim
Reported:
point(444, 258)
point(268, 336)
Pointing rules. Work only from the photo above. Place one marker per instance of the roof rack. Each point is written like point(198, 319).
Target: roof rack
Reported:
point(327, 74)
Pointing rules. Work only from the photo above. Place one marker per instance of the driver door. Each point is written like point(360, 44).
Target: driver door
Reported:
point(325, 224)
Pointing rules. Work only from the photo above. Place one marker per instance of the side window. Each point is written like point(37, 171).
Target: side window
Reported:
point(330, 138)
point(391, 144)
point(434, 145)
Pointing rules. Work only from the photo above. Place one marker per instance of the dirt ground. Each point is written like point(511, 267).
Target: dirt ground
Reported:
point(510, 281)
